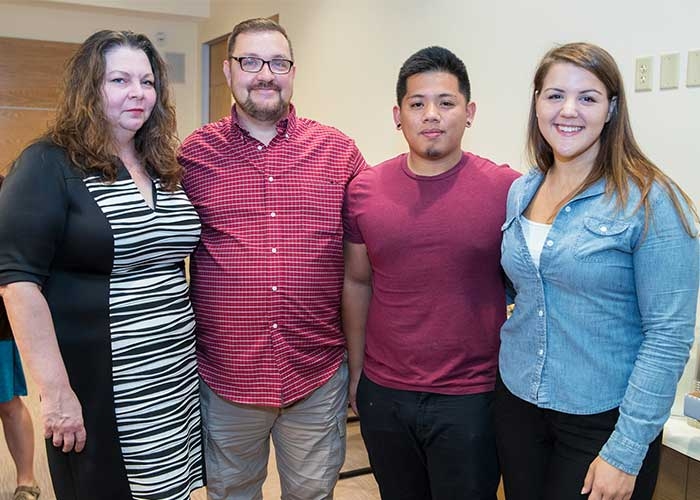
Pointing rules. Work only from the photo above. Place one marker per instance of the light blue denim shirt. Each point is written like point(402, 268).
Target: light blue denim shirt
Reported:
point(609, 317)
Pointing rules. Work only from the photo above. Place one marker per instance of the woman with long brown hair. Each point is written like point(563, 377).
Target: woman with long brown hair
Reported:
point(94, 229)
point(601, 248)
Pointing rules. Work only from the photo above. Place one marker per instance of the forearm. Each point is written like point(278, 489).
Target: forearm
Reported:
point(34, 334)
point(355, 305)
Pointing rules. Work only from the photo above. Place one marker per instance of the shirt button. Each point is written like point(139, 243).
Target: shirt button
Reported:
point(603, 229)
point(273, 214)
point(567, 209)
point(540, 313)
point(274, 325)
point(286, 136)
point(260, 148)
point(270, 178)
point(274, 250)
point(540, 352)
point(274, 288)
point(550, 243)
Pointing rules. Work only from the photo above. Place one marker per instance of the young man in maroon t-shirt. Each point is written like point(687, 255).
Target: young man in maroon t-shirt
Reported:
point(424, 298)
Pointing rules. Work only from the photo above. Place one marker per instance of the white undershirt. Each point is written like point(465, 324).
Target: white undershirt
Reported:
point(535, 234)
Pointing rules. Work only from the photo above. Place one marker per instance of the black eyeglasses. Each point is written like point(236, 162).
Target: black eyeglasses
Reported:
point(255, 64)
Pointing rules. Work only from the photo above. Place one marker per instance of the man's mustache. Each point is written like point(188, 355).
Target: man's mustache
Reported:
point(265, 86)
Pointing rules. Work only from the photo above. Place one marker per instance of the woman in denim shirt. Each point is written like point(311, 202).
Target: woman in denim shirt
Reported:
point(601, 249)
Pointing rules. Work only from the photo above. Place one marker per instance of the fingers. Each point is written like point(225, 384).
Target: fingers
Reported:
point(67, 438)
point(68, 441)
point(80, 438)
point(353, 405)
point(587, 482)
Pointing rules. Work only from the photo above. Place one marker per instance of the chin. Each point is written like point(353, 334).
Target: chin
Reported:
point(434, 154)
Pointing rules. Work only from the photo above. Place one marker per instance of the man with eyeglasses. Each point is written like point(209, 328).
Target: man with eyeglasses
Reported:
point(267, 278)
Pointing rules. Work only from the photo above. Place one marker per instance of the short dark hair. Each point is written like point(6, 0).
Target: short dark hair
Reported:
point(433, 59)
point(256, 25)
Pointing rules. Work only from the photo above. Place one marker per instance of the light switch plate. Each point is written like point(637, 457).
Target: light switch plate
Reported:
point(670, 71)
point(643, 74)
point(693, 79)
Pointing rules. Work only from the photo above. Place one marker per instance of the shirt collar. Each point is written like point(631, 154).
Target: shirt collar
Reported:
point(534, 178)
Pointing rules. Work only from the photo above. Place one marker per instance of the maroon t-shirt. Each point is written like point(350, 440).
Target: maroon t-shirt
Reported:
point(438, 298)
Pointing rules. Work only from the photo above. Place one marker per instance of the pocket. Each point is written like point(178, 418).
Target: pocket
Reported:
point(321, 204)
point(603, 240)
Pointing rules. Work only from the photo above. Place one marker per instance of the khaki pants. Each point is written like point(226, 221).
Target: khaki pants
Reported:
point(309, 439)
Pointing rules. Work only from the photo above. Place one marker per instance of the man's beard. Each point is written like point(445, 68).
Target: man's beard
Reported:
point(270, 113)
point(433, 153)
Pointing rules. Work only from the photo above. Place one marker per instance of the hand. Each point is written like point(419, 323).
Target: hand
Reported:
point(352, 393)
point(605, 482)
point(62, 416)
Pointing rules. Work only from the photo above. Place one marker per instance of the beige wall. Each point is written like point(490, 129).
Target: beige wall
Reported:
point(74, 24)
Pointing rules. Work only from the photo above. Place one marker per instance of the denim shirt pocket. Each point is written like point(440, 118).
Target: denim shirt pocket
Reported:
point(603, 240)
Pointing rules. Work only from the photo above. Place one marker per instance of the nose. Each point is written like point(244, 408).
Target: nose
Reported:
point(265, 72)
point(136, 91)
point(431, 112)
point(568, 107)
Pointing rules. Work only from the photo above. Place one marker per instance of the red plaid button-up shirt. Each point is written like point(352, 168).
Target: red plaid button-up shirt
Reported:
point(268, 274)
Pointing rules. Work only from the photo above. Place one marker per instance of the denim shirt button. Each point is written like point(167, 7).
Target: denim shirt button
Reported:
point(550, 243)
point(603, 229)
point(540, 352)
point(567, 209)
point(540, 313)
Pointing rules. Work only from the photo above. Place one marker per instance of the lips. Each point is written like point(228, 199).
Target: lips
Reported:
point(568, 129)
point(432, 133)
point(135, 110)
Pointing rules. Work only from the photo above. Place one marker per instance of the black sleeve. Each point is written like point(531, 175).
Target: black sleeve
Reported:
point(33, 208)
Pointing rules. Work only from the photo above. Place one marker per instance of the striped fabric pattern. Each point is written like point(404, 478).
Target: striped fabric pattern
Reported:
point(152, 335)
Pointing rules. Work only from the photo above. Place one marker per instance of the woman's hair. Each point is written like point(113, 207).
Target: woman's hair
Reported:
point(619, 159)
point(81, 126)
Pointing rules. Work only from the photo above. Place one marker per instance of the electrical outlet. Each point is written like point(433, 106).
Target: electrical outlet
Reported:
point(670, 71)
point(643, 74)
point(693, 79)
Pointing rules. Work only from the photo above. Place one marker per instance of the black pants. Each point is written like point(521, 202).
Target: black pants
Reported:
point(545, 454)
point(427, 446)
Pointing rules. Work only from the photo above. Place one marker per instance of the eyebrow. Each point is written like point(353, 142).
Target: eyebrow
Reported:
point(555, 89)
point(254, 54)
point(444, 94)
point(121, 71)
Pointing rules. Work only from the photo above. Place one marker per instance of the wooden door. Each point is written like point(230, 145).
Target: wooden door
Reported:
point(220, 99)
point(30, 76)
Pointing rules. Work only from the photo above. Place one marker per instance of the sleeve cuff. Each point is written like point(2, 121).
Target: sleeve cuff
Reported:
point(623, 453)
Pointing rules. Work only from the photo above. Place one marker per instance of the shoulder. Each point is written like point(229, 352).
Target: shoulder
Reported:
point(666, 203)
point(313, 129)
point(502, 173)
point(372, 175)
point(43, 159)
point(210, 135)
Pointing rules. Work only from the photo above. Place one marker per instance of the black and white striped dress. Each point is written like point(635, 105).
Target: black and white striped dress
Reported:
point(115, 283)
